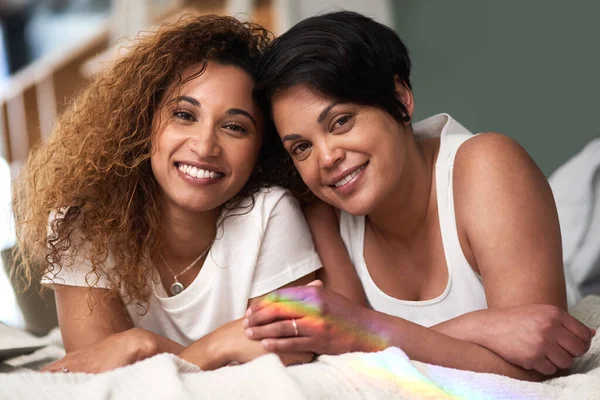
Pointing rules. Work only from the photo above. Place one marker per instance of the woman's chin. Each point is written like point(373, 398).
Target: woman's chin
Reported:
point(196, 205)
point(355, 207)
point(357, 211)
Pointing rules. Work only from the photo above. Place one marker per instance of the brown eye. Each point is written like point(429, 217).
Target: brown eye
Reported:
point(341, 121)
point(299, 148)
point(183, 115)
point(237, 128)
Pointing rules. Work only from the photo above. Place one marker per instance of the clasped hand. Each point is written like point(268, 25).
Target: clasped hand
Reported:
point(541, 337)
point(311, 318)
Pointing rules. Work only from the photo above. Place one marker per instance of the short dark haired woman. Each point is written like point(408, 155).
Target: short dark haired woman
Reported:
point(453, 237)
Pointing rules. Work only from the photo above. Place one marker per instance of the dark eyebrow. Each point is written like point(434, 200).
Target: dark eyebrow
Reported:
point(231, 111)
point(326, 111)
point(237, 111)
point(291, 136)
point(188, 99)
point(320, 119)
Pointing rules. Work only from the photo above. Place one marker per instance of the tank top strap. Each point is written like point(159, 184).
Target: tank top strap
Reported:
point(452, 136)
point(451, 133)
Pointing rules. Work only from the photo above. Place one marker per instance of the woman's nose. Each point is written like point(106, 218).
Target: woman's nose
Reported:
point(330, 155)
point(205, 144)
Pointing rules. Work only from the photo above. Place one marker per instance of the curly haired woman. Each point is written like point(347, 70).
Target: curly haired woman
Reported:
point(164, 221)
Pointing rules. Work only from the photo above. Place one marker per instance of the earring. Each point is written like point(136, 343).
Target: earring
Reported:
point(406, 118)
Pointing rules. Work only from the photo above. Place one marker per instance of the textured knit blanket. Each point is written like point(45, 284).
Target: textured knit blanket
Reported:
point(385, 375)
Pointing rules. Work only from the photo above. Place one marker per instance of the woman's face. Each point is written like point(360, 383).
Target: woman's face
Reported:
point(350, 156)
point(208, 140)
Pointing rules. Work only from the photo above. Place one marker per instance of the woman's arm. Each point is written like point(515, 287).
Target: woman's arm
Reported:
point(329, 323)
point(509, 231)
point(88, 315)
point(105, 339)
point(523, 335)
point(338, 273)
point(508, 223)
point(97, 333)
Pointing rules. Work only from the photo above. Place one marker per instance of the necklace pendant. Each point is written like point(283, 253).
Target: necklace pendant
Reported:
point(176, 288)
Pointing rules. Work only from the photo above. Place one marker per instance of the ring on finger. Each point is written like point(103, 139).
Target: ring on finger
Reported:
point(64, 369)
point(296, 333)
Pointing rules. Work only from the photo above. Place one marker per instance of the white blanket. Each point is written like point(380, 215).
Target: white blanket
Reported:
point(384, 375)
point(576, 189)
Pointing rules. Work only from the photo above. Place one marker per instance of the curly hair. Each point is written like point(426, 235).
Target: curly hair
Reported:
point(93, 176)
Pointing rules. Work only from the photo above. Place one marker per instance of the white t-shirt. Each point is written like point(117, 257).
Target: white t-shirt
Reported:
point(254, 253)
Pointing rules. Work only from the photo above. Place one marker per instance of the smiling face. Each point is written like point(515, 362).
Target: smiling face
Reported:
point(208, 140)
point(351, 156)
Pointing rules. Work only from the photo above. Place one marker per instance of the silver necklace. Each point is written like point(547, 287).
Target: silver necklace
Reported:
point(177, 287)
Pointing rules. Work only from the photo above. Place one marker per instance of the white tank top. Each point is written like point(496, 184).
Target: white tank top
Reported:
point(464, 291)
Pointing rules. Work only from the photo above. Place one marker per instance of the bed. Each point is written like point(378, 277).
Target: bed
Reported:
point(387, 374)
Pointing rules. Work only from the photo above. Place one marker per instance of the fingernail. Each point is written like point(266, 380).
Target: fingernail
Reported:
point(248, 332)
point(248, 312)
point(245, 323)
point(265, 343)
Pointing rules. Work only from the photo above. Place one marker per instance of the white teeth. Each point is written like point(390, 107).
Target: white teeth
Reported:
point(197, 172)
point(348, 178)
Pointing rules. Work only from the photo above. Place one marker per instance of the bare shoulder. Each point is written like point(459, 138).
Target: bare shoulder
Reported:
point(491, 150)
point(495, 164)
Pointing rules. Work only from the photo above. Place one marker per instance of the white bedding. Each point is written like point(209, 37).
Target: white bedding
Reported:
point(387, 374)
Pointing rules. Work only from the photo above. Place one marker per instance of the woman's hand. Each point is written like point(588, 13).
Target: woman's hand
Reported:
point(537, 336)
point(228, 345)
point(311, 319)
point(237, 347)
point(115, 351)
point(244, 350)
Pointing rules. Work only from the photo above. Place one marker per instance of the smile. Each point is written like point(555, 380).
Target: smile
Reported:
point(348, 178)
point(198, 173)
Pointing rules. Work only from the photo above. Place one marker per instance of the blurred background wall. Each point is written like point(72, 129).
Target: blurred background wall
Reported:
point(528, 69)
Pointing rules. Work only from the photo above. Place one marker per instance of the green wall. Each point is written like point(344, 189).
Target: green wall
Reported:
point(528, 69)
